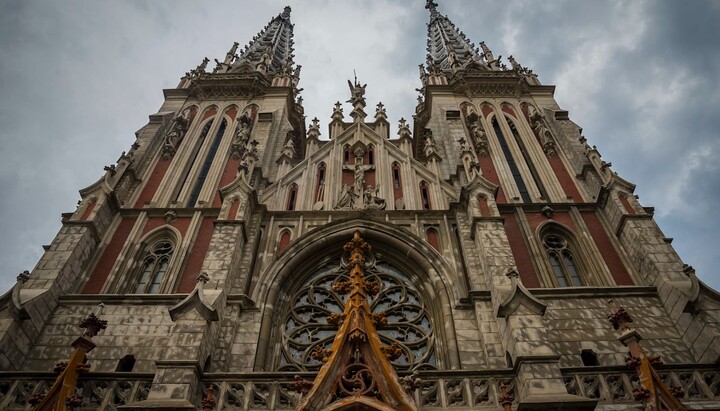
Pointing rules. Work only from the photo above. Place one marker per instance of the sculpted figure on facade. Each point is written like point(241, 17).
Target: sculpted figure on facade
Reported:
point(371, 200)
point(347, 198)
point(177, 130)
point(541, 131)
point(357, 93)
point(479, 138)
point(242, 136)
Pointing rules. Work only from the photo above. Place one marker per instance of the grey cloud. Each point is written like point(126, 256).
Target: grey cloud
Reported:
point(80, 77)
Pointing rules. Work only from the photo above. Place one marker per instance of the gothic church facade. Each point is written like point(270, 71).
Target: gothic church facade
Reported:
point(238, 258)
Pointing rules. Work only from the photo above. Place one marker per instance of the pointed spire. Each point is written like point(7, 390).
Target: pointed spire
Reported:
point(271, 51)
point(448, 48)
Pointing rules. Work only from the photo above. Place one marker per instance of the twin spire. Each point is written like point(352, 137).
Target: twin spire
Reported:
point(271, 51)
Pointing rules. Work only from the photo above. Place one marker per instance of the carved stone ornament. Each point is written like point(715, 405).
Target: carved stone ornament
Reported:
point(197, 301)
point(175, 134)
point(357, 372)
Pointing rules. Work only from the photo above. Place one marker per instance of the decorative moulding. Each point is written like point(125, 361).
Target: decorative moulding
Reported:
point(198, 301)
point(519, 296)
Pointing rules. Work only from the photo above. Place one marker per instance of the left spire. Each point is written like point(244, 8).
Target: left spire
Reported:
point(269, 52)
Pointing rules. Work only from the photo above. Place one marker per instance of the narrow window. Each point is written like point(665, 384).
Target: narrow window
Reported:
point(346, 155)
point(511, 162)
point(206, 165)
point(562, 261)
point(193, 158)
point(320, 182)
point(371, 156)
point(396, 182)
point(433, 238)
point(292, 198)
point(528, 161)
point(154, 267)
point(284, 240)
point(425, 196)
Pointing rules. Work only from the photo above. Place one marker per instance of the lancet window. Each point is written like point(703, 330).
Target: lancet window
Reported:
point(562, 260)
point(305, 328)
point(512, 164)
point(206, 165)
point(152, 272)
point(193, 157)
point(292, 197)
point(425, 196)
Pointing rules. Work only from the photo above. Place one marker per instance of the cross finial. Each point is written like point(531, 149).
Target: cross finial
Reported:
point(431, 5)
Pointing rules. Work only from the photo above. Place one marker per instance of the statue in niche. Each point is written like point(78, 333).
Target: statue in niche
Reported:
point(371, 199)
point(265, 59)
point(430, 147)
point(242, 135)
point(177, 130)
point(453, 58)
point(347, 198)
point(479, 138)
point(541, 131)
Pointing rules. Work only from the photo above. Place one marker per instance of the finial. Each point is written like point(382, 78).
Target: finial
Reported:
point(431, 5)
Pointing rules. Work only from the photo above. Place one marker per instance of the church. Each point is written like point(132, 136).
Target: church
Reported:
point(240, 256)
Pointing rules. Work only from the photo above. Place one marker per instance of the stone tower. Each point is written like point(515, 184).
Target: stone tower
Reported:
point(485, 257)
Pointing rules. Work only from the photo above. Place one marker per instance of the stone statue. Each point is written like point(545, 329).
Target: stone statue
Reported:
point(242, 135)
point(265, 59)
point(347, 198)
point(357, 93)
point(371, 199)
point(429, 144)
point(359, 178)
point(453, 58)
point(479, 138)
point(177, 129)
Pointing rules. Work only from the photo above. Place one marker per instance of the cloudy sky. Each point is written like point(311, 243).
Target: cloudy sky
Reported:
point(78, 78)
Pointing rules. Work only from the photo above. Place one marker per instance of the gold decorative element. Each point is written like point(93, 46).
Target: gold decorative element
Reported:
point(653, 392)
point(357, 372)
point(62, 395)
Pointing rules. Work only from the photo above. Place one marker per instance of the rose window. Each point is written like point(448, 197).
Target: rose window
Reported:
point(305, 325)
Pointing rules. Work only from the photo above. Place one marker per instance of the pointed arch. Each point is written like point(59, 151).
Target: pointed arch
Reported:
point(284, 238)
point(320, 176)
point(397, 185)
point(426, 203)
point(564, 255)
point(433, 238)
point(154, 267)
point(424, 266)
point(292, 197)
